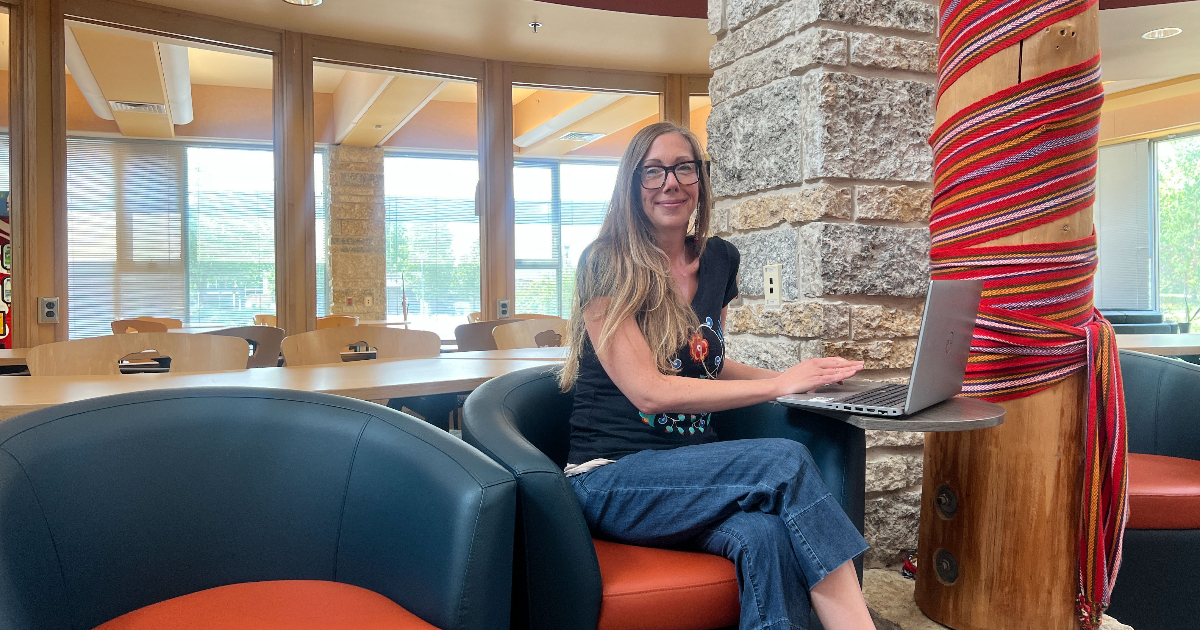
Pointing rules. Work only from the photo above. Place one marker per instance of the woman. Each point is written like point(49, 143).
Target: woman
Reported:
point(647, 363)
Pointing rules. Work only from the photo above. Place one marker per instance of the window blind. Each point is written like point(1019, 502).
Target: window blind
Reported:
point(1123, 217)
point(231, 234)
point(125, 257)
point(322, 236)
point(432, 239)
point(559, 208)
point(168, 229)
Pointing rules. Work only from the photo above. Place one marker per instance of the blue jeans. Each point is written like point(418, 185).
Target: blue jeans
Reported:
point(759, 503)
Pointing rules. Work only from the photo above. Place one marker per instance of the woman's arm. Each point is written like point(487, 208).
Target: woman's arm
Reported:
point(734, 371)
point(629, 362)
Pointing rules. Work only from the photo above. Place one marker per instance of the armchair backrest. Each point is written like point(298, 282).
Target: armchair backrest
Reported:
point(1162, 404)
point(522, 421)
point(115, 503)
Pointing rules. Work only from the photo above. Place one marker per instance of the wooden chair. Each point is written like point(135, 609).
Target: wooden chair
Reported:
point(264, 320)
point(336, 321)
point(100, 355)
point(326, 346)
point(478, 335)
point(474, 317)
point(170, 322)
point(531, 333)
point(122, 326)
point(265, 343)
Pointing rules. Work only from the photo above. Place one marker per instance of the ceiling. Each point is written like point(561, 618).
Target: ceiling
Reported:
point(570, 35)
point(493, 29)
point(1130, 61)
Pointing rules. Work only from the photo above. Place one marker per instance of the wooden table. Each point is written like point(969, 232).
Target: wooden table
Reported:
point(366, 380)
point(1165, 344)
point(520, 354)
point(16, 356)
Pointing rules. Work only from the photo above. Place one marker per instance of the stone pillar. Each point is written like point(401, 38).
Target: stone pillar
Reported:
point(818, 134)
point(357, 272)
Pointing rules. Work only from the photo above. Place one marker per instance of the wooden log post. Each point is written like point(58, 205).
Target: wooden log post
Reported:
point(1014, 489)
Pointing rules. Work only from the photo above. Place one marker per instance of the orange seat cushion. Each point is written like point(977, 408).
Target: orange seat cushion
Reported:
point(278, 605)
point(662, 589)
point(1164, 492)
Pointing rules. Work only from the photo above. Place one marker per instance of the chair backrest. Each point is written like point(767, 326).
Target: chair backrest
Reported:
point(264, 320)
point(326, 346)
point(1162, 395)
point(100, 355)
point(336, 321)
point(264, 343)
point(122, 326)
point(531, 333)
point(115, 503)
point(474, 317)
point(170, 322)
point(478, 335)
point(521, 420)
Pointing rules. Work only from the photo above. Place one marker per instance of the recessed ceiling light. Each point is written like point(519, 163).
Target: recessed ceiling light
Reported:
point(1162, 33)
point(304, 3)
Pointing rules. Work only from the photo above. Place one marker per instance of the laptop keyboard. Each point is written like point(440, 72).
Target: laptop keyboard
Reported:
point(890, 395)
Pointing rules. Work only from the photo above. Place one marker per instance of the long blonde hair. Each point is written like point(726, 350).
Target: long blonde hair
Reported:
point(627, 266)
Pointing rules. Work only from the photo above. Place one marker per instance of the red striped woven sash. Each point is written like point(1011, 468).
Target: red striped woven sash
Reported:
point(1012, 161)
point(973, 30)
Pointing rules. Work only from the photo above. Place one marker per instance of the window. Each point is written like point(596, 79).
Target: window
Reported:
point(169, 229)
point(170, 181)
point(432, 239)
point(397, 231)
point(1148, 223)
point(559, 208)
point(5, 220)
point(1178, 200)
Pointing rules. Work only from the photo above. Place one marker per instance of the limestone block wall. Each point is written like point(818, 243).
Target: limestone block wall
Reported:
point(357, 271)
point(818, 135)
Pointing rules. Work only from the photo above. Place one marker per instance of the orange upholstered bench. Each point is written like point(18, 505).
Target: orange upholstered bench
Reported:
point(277, 605)
point(1164, 492)
point(664, 589)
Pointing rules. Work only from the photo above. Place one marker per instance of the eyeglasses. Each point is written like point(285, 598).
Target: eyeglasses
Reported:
point(653, 177)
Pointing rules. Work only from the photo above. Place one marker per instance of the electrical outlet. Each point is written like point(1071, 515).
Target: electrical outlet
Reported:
point(48, 310)
point(502, 309)
point(771, 284)
point(367, 300)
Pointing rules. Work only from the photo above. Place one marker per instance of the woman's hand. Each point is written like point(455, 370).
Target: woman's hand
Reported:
point(814, 373)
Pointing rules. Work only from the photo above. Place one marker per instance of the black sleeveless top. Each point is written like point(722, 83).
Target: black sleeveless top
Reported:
point(605, 424)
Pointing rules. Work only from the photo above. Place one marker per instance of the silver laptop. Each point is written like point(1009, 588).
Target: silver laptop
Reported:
point(938, 369)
